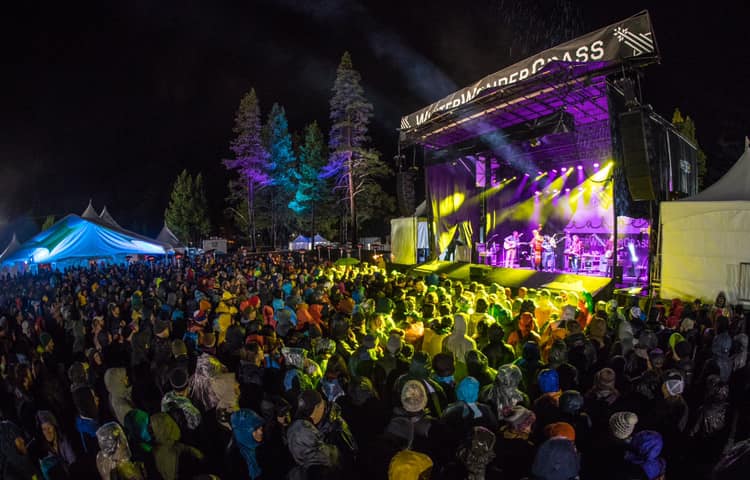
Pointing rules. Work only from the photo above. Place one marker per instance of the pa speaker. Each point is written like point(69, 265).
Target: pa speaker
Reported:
point(405, 192)
point(635, 156)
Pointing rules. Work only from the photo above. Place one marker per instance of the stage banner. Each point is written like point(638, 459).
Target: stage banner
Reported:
point(630, 38)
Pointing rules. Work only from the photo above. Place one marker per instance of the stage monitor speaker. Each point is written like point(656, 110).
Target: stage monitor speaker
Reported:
point(618, 274)
point(635, 156)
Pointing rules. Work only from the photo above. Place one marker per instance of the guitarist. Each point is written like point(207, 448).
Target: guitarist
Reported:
point(511, 249)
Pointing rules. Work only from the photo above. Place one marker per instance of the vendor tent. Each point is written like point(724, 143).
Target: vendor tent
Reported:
point(705, 246)
point(166, 236)
point(75, 240)
point(12, 247)
point(303, 243)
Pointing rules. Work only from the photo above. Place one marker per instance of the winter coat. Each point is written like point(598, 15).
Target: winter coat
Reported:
point(120, 397)
point(65, 450)
point(167, 447)
point(307, 446)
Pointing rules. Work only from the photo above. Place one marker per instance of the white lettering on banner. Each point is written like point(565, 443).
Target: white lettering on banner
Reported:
point(537, 65)
point(597, 50)
point(604, 44)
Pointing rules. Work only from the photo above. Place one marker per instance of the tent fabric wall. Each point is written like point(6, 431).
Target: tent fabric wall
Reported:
point(703, 244)
point(73, 240)
point(404, 240)
point(454, 199)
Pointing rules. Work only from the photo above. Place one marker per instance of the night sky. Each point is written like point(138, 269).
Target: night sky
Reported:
point(110, 100)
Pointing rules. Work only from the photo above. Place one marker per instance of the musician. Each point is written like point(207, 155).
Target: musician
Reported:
point(511, 249)
point(548, 255)
point(536, 247)
point(576, 250)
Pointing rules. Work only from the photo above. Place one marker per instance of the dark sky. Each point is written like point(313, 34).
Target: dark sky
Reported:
point(110, 100)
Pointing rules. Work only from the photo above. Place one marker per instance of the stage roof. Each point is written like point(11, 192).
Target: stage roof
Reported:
point(536, 86)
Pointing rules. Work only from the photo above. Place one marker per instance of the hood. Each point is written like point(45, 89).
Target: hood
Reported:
point(9, 455)
point(526, 323)
point(420, 365)
point(530, 352)
point(136, 428)
point(166, 431)
point(459, 324)
point(244, 423)
point(468, 390)
point(112, 442)
point(645, 448)
point(556, 459)
point(409, 465)
point(476, 361)
point(721, 345)
point(115, 381)
point(508, 377)
point(360, 390)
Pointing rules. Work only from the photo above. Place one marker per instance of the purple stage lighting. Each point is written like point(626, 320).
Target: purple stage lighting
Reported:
point(539, 172)
point(596, 165)
point(567, 190)
point(580, 167)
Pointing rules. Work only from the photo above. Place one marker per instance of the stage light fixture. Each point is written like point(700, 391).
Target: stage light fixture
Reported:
point(539, 172)
point(580, 167)
point(554, 170)
point(567, 190)
point(525, 174)
point(563, 169)
point(596, 165)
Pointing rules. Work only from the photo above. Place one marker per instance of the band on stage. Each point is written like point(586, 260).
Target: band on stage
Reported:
point(558, 252)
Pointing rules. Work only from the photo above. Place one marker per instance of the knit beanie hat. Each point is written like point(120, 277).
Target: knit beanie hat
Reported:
point(622, 424)
point(556, 459)
point(560, 429)
point(413, 396)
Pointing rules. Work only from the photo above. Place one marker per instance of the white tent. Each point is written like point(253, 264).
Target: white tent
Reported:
point(13, 245)
point(166, 236)
point(107, 218)
point(303, 243)
point(706, 239)
point(90, 213)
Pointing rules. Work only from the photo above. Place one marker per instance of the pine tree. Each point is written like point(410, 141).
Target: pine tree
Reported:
point(311, 200)
point(278, 142)
point(686, 126)
point(187, 213)
point(250, 160)
point(351, 163)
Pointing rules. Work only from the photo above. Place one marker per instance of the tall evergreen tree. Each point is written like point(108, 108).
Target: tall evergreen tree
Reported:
point(686, 126)
point(187, 213)
point(351, 162)
point(250, 160)
point(311, 202)
point(278, 142)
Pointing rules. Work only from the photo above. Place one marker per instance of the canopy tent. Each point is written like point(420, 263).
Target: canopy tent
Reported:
point(166, 236)
point(107, 218)
point(12, 247)
point(75, 240)
point(705, 239)
point(90, 213)
point(303, 243)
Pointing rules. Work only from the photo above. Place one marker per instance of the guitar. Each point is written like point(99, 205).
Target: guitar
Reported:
point(510, 243)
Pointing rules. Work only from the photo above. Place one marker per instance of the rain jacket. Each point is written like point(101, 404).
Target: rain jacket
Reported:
point(458, 343)
point(114, 454)
point(167, 447)
point(408, 465)
point(120, 396)
point(244, 423)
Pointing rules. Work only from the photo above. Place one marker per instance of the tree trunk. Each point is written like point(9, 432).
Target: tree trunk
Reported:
point(312, 225)
point(251, 213)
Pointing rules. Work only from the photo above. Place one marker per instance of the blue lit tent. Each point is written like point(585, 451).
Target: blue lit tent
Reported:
point(166, 236)
point(13, 246)
point(74, 240)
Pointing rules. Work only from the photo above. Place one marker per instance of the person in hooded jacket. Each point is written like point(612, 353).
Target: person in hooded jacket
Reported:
point(642, 458)
point(247, 430)
point(410, 465)
point(465, 414)
point(113, 460)
point(53, 441)
point(556, 459)
point(504, 393)
point(476, 364)
point(120, 399)
point(497, 351)
point(169, 453)
point(526, 332)
point(514, 451)
point(306, 442)
point(459, 344)
point(419, 370)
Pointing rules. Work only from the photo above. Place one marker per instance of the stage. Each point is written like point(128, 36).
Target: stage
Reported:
point(511, 277)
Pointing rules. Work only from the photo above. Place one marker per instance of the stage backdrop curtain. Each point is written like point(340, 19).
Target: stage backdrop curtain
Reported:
point(703, 244)
point(454, 200)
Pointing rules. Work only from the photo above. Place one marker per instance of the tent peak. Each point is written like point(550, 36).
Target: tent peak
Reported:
point(90, 213)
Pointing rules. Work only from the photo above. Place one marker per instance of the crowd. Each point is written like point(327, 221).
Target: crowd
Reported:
point(279, 367)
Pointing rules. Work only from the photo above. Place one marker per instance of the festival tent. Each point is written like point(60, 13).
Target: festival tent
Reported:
point(166, 236)
point(90, 213)
point(75, 240)
point(12, 247)
point(107, 218)
point(705, 247)
point(303, 243)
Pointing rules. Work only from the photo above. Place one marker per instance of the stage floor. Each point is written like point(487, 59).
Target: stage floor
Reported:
point(513, 277)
